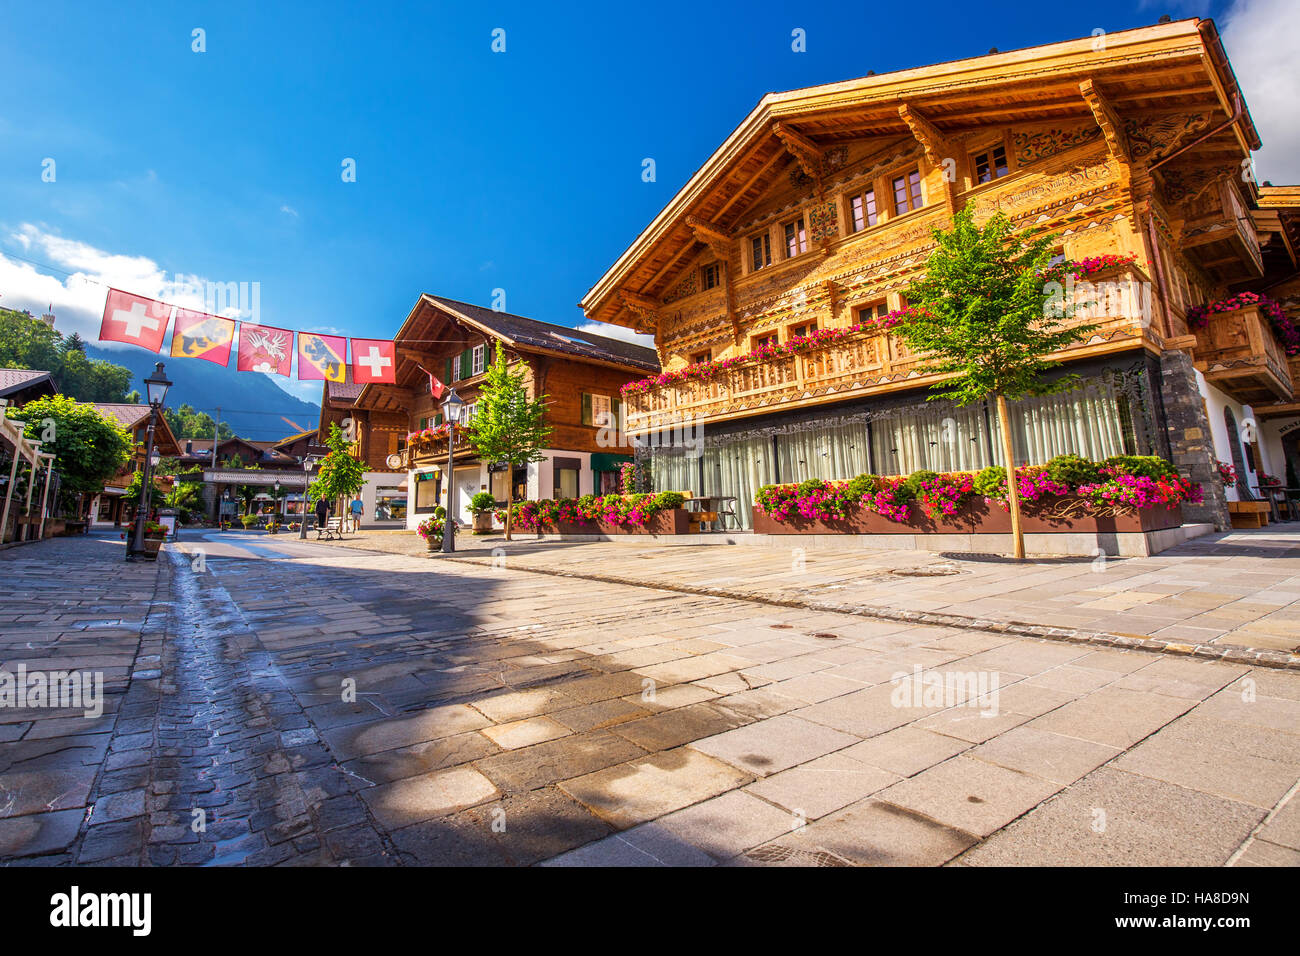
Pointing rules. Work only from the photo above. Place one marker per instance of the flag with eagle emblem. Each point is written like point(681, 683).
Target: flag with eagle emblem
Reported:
point(322, 357)
point(203, 336)
point(265, 349)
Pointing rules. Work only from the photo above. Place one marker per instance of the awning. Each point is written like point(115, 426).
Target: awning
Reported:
point(605, 461)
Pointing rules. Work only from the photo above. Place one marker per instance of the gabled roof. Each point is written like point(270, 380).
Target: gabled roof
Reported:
point(1171, 68)
point(132, 417)
point(530, 333)
point(14, 380)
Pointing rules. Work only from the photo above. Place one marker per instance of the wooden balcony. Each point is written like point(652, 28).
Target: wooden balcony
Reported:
point(426, 450)
point(866, 363)
point(1239, 354)
point(1224, 243)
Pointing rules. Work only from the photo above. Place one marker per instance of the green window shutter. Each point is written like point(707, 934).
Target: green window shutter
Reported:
point(586, 408)
point(424, 423)
point(437, 420)
point(466, 363)
point(447, 377)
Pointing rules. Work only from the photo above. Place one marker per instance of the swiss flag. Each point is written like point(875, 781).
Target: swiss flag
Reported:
point(134, 319)
point(373, 360)
point(263, 348)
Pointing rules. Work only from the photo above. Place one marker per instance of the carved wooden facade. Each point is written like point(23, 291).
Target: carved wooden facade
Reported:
point(1136, 144)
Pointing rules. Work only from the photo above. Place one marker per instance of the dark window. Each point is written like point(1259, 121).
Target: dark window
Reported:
point(699, 357)
point(803, 331)
point(767, 338)
point(907, 192)
point(873, 310)
point(862, 210)
point(711, 275)
point(761, 250)
point(990, 164)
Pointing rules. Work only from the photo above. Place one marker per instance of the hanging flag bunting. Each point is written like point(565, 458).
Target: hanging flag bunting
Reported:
point(203, 336)
point(134, 319)
point(322, 357)
point(372, 361)
point(435, 386)
point(263, 348)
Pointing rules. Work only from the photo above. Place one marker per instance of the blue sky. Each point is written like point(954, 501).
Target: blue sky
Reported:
point(475, 170)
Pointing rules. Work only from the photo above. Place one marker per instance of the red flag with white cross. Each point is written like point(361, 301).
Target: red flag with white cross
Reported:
point(135, 320)
point(373, 360)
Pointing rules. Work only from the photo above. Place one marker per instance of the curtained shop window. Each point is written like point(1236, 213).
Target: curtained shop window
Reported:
point(934, 437)
point(738, 469)
point(831, 453)
point(674, 469)
point(1094, 421)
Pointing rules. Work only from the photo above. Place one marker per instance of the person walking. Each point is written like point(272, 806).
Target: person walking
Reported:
point(356, 513)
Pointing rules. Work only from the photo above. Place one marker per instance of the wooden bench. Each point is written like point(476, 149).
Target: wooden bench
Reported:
point(1248, 514)
point(333, 529)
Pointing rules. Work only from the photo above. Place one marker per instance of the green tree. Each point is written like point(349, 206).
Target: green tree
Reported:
point(188, 422)
point(26, 342)
point(29, 343)
point(988, 312)
point(508, 426)
point(340, 475)
point(89, 448)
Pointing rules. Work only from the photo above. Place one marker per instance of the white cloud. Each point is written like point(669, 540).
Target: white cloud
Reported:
point(1259, 36)
point(618, 332)
point(289, 210)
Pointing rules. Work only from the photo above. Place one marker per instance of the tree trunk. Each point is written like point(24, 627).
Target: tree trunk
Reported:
point(510, 506)
point(1013, 494)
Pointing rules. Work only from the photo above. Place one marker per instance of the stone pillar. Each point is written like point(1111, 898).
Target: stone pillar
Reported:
point(1190, 442)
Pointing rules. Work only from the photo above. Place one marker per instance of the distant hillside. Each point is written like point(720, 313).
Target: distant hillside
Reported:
point(249, 401)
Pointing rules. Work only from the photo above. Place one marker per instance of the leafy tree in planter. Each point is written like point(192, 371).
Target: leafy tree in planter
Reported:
point(88, 448)
point(508, 426)
point(985, 313)
point(340, 475)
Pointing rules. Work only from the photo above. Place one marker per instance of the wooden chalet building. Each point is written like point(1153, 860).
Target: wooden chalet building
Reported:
point(107, 508)
point(378, 437)
point(580, 373)
point(816, 212)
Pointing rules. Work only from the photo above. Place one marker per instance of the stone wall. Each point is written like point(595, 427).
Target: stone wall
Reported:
point(1190, 444)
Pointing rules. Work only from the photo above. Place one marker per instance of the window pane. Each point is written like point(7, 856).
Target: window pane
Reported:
point(900, 195)
point(1000, 160)
point(870, 201)
point(915, 181)
point(858, 214)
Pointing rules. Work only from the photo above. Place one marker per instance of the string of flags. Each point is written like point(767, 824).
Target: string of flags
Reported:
point(137, 320)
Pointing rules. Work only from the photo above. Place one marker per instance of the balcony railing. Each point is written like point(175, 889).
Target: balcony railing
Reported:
point(430, 447)
point(1240, 355)
point(869, 361)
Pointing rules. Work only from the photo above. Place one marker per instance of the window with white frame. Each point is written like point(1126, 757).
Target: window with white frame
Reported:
point(480, 353)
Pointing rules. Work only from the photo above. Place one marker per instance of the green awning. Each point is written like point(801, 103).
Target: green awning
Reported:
point(604, 461)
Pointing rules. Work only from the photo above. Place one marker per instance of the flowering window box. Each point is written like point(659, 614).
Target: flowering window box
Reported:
point(668, 521)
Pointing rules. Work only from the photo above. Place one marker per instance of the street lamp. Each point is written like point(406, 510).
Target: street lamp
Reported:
point(308, 463)
point(452, 407)
point(156, 386)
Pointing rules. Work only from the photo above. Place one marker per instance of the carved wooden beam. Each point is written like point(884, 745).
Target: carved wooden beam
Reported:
point(936, 145)
point(1105, 116)
point(713, 237)
point(640, 304)
point(806, 153)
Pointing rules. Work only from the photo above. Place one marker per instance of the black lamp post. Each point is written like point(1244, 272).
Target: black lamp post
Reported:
point(156, 386)
point(308, 463)
point(452, 407)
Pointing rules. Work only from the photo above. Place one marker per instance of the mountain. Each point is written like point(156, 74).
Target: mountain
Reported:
point(249, 401)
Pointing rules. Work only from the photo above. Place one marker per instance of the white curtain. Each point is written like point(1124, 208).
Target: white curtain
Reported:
point(738, 469)
point(674, 469)
point(935, 437)
point(831, 454)
point(1088, 421)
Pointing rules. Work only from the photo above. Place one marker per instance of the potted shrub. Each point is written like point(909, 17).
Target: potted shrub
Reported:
point(248, 521)
point(482, 505)
point(430, 529)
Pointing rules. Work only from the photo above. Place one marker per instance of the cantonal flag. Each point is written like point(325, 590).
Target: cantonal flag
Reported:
point(199, 335)
point(265, 349)
point(322, 357)
point(372, 361)
point(134, 319)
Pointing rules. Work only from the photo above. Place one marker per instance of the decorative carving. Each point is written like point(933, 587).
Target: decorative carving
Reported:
point(686, 286)
point(1032, 145)
point(1107, 120)
point(822, 221)
point(1154, 137)
point(936, 145)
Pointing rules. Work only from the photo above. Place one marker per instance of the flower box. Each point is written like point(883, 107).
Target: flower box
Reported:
point(668, 521)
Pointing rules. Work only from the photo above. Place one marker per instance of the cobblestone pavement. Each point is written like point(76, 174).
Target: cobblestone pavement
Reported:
point(327, 705)
point(1241, 588)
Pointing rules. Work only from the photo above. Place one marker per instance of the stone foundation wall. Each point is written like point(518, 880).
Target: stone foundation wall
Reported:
point(1190, 444)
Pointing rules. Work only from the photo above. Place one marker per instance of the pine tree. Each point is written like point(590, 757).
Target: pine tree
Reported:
point(508, 426)
point(988, 312)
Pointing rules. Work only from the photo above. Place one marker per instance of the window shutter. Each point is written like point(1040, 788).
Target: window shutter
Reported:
point(437, 420)
point(466, 358)
point(586, 408)
point(616, 406)
point(424, 423)
point(447, 375)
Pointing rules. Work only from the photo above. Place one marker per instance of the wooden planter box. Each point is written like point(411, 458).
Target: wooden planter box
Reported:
point(670, 521)
point(1249, 514)
point(1060, 515)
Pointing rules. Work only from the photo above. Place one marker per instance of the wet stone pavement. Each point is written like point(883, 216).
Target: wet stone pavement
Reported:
point(276, 702)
